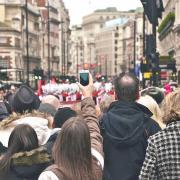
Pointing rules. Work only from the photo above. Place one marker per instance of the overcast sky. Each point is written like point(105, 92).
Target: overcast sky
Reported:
point(79, 8)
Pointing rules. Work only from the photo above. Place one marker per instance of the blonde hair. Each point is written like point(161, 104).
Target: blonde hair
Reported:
point(105, 103)
point(171, 106)
point(151, 104)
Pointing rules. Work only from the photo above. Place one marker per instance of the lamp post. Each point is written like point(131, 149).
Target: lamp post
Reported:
point(48, 30)
point(62, 49)
point(77, 60)
point(134, 45)
point(27, 42)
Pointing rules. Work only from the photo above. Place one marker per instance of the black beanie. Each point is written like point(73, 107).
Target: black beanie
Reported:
point(62, 115)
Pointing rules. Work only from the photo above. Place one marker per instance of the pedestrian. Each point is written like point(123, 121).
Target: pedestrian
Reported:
point(24, 158)
point(152, 105)
point(25, 103)
point(126, 127)
point(77, 152)
point(163, 153)
point(61, 116)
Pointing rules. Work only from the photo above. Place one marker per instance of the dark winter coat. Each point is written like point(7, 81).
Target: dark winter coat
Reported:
point(126, 127)
point(3, 111)
point(27, 165)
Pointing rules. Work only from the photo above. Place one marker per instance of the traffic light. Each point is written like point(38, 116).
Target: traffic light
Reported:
point(38, 74)
point(144, 66)
point(154, 61)
point(172, 65)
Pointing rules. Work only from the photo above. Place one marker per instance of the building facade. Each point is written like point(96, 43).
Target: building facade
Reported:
point(119, 45)
point(94, 24)
point(47, 34)
point(13, 16)
point(76, 50)
point(169, 33)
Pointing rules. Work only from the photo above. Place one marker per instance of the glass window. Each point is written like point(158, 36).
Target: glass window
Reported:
point(4, 63)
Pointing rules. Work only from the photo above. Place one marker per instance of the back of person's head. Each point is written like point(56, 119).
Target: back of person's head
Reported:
point(127, 87)
point(25, 100)
point(52, 100)
point(105, 103)
point(62, 115)
point(171, 107)
point(156, 93)
point(72, 150)
point(22, 138)
point(151, 104)
point(47, 109)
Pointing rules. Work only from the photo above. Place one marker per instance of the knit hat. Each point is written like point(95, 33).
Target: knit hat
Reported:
point(155, 92)
point(62, 115)
point(47, 108)
point(25, 100)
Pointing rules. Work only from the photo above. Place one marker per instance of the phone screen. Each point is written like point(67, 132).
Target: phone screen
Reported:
point(84, 78)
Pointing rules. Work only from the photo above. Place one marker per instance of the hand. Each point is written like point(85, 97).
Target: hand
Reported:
point(87, 90)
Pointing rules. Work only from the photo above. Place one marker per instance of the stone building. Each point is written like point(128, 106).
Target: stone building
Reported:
point(169, 33)
point(76, 50)
point(119, 45)
point(93, 24)
point(13, 17)
point(48, 45)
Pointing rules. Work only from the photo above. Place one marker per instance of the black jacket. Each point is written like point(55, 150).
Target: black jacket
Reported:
point(125, 128)
point(3, 111)
point(27, 165)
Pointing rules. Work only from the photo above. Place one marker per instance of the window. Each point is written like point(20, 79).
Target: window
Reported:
point(101, 18)
point(4, 62)
point(115, 62)
point(116, 41)
point(17, 42)
point(115, 48)
point(115, 69)
point(116, 34)
point(3, 40)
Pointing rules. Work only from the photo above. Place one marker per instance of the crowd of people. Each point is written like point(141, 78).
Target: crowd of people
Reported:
point(117, 132)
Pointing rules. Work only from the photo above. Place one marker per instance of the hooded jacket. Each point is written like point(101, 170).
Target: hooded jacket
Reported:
point(36, 120)
point(27, 165)
point(126, 127)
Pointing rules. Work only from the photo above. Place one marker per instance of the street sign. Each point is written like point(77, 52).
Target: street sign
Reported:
point(147, 75)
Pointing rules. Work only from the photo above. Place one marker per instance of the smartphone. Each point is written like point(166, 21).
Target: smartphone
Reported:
point(84, 77)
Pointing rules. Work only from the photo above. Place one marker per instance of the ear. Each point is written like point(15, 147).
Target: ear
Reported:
point(137, 95)
point(115, 96)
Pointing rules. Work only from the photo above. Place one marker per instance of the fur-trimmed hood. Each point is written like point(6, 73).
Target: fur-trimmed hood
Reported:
point(29, 158)
point(28, 165)
point(36, 120)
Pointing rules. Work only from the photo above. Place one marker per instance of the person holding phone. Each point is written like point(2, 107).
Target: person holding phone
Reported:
point(84, 77)
point(78, 151)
